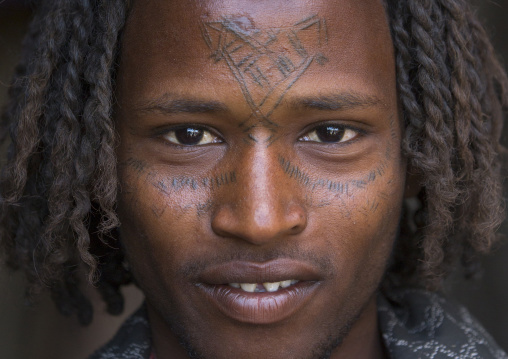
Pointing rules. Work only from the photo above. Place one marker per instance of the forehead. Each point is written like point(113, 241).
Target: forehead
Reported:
point(174, 44)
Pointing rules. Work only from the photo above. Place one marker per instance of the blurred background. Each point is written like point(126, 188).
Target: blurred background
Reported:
point(40, 332)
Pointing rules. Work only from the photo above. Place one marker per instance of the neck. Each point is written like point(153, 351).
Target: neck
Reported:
point(164, 342)
point(364, 340)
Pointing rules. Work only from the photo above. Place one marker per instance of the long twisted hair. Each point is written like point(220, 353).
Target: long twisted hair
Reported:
point(58, 186)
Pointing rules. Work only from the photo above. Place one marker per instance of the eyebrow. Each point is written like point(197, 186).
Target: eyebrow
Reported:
point(336, 102)
point(171, 104)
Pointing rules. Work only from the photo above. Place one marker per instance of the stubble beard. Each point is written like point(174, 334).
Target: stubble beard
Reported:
point(321, 350)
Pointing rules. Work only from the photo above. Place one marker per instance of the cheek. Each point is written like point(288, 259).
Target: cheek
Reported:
point(361, 224)
point(160, 219)
point(166, 219)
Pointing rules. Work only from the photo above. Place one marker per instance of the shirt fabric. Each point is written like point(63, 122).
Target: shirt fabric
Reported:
point(414, 324)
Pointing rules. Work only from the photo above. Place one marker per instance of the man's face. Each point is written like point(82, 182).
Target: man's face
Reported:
point(260, 143)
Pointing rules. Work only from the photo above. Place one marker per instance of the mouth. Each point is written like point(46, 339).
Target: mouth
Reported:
point(259, 293)
point(264, 287)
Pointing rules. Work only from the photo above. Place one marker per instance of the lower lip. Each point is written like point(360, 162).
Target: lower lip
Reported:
point(259, 308)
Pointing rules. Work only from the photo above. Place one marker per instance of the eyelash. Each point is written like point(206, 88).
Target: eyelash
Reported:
point(172, 135)
point(314, 135)
point(342, 130)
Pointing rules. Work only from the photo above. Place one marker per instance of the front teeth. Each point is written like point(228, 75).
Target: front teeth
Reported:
point(266, 287)
point(248, 287)
point(271, 287)
point(285, 283)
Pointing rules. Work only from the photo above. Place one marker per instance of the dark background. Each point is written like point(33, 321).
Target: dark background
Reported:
point(40, 332)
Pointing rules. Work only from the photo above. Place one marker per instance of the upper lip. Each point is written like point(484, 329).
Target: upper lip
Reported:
point(255, 272)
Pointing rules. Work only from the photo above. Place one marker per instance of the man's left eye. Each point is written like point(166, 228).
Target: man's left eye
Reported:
point(191, 136)
point(330, 134)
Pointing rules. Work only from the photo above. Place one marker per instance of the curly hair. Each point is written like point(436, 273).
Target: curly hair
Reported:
point(58, 186)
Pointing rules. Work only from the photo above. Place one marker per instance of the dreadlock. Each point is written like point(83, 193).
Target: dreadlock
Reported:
point(58, 187)
point(453, 94)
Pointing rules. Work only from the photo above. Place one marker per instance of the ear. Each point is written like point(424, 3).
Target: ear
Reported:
point(413, 184)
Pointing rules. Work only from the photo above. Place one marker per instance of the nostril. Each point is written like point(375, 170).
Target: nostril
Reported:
point(299, 226)
point(297, 217)
point(296, 229)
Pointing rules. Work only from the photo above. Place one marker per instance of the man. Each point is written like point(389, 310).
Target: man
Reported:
point(264, 152)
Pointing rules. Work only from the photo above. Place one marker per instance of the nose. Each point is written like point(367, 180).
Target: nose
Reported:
point(263, 205)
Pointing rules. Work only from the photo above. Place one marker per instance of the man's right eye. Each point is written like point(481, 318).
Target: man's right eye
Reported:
point(191, 136)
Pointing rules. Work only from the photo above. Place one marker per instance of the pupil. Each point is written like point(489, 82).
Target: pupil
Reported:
point(189, 135)
point(330, 133)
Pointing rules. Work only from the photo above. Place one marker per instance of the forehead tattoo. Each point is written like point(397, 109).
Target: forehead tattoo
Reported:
point(265, 62)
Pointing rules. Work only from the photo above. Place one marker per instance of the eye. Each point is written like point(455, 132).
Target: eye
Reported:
point(191, 136)
point(330, 134)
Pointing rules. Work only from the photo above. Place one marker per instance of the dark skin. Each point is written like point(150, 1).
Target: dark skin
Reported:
point(283, 172)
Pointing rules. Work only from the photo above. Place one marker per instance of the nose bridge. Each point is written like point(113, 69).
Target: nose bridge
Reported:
point(263, 206)
point(263, 188)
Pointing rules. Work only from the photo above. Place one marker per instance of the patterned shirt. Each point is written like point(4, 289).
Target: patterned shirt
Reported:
point(419, 324)
point(415, 325)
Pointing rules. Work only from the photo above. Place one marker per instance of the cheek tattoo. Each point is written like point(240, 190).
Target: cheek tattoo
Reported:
point(294, 172)
point(137, 165)
point(339, 190)
point(266, 63)
point(171, 184)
